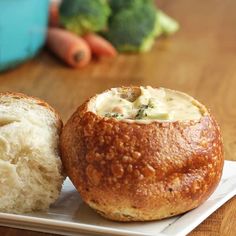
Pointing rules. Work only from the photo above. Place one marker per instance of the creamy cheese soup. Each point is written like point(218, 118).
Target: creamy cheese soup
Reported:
point(151, 104)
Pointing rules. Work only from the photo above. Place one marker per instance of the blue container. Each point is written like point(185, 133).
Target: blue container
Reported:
point(23, 25)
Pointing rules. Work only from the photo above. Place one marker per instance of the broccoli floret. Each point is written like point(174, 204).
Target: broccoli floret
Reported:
point(135, 24)
point(117, 5)
point(134, 29)
point(84, 16)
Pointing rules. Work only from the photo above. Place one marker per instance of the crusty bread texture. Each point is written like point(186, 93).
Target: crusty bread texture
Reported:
point(130, 171)
point(30, 168)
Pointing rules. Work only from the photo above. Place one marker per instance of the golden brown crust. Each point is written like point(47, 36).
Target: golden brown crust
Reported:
point(37, 101)
point(137, 172)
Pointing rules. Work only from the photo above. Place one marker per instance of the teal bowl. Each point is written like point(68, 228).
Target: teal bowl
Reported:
point(23, 25)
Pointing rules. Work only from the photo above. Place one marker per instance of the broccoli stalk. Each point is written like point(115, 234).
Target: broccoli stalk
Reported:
point(167, 24)
point(84, 16)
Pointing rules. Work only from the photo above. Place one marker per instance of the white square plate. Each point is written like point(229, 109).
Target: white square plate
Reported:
point(70, 216)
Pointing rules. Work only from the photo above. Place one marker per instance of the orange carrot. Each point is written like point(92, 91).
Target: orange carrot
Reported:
point(71, 48)
point(54, 14)
point(100, 46)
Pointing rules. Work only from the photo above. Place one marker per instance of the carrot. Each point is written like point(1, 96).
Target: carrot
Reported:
point(54, 14)
point(72, 49)
point(100, 46)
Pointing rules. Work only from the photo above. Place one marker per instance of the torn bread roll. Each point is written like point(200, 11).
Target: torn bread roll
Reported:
point(142, 153)
point(30, 168)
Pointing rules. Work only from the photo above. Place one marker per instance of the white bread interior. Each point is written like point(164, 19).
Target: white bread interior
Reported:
point(30, 167)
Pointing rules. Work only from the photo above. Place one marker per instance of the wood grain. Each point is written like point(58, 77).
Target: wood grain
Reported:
point(200, 60)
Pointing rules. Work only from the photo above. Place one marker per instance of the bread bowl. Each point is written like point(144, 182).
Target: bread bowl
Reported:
point(142, 153)
point(30, 167)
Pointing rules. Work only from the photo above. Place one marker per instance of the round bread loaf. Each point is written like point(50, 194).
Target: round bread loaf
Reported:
point(138, 153)
point(30, 167)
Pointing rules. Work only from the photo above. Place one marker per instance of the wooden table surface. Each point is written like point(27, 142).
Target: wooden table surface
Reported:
point(200, 60)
